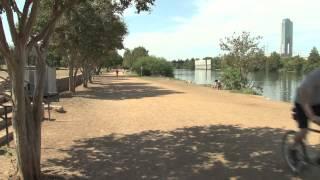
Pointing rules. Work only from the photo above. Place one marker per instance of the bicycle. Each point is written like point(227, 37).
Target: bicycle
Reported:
point(303, 158)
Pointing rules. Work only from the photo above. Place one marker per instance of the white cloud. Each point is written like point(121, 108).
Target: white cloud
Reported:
point(132, 12)
point(219, 18)
point(179, 19)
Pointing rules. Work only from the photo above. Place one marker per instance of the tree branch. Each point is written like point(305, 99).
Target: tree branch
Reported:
point(16, 9)
point(4, 47)
point(38, 93)
point(24, 15)
point(3, 42)
point(44, 32)
point(31, 20)
point(10, 19)
point(56, 14)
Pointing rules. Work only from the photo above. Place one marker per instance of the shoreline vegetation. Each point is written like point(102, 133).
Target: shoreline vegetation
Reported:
point(209, 86)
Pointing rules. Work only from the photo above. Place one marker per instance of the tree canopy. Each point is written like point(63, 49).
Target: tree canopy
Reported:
point(130, 57)
point(240, 51)
point(242, 48)
point(313, 60)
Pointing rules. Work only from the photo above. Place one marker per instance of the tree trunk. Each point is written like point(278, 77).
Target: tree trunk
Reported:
point(27, 127)
point(37, 108)
point(240, 71)
point(90, 78)
point(90, 73)
point(85, 76)
point(72, 86)
point(85, 84)
point(75, 81)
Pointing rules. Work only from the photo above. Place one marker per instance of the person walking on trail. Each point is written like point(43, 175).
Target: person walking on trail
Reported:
point(117, 73)
point(306, 108)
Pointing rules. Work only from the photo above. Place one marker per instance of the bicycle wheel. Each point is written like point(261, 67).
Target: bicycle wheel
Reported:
point(302, 156)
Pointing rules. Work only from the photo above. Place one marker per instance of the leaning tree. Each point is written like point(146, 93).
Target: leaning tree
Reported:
point(27, 37)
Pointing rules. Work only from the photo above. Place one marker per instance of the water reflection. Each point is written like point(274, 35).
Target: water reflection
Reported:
point(203, 77)
point(276, 86)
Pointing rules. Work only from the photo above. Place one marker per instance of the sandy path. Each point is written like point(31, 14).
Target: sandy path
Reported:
point(131, 128)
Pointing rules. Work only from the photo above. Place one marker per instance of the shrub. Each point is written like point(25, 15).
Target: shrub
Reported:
point(233, 80)
point(153, 66)
point(310, 67)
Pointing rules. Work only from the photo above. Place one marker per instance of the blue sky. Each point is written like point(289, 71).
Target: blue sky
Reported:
point(192, 28)
point(162, 16)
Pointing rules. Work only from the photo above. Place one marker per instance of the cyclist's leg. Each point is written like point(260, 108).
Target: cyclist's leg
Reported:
point(300, 136)
point(302, 121)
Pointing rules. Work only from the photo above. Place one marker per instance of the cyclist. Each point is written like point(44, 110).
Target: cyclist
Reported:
point(307, 107)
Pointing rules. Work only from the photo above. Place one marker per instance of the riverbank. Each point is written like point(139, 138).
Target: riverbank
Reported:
point(189, 82)
point(275, 85)
point(158, 128)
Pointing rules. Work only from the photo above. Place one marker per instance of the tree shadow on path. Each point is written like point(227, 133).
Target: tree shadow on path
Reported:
point(204, 152)
point(117, 89)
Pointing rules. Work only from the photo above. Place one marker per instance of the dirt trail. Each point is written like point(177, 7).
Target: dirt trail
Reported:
point(132, 128)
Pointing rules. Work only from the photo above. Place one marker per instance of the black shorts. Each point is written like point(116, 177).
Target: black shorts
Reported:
point(301, 117)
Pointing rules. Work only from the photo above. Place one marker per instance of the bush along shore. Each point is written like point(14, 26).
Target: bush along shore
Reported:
point(153, 66)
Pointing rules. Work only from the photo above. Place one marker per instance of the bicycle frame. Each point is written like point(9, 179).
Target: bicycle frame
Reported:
point(314, 130)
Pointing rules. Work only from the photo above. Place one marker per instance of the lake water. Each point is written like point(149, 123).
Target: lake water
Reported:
point(276, 86)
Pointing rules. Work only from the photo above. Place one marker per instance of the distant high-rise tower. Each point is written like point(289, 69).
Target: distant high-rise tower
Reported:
point(286, 37)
